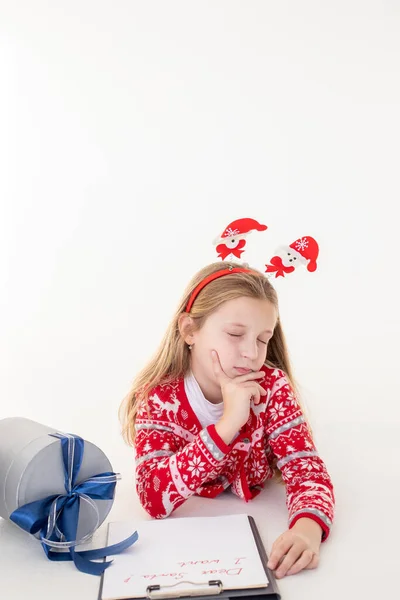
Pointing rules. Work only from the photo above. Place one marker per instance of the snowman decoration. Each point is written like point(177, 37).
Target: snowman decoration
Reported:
point(232, 241)
point(302, 252)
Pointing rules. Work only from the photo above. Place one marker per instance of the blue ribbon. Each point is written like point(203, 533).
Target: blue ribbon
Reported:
point(56, 517)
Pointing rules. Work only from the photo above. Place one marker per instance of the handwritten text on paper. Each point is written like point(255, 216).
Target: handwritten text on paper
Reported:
point(231, 570)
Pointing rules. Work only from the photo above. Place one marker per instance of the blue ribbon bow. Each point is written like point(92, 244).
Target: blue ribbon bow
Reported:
point(56, 517)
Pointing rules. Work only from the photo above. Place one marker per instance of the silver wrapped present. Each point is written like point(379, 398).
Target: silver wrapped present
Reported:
point(31, 468)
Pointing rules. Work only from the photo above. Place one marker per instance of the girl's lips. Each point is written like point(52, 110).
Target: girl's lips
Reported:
point(243, 371)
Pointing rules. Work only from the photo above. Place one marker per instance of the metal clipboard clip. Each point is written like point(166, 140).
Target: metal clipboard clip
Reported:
point(208, 588)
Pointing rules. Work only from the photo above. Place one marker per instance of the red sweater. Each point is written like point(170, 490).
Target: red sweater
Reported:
point(176, 457)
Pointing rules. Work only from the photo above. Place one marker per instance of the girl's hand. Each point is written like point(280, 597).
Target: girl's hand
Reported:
point(297, 549)
point(236, 393)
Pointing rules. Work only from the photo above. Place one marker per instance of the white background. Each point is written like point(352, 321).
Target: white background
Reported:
point(132, 134)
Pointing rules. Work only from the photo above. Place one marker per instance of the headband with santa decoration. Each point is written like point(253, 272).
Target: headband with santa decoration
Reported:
point(232, 241)
point(302, 252)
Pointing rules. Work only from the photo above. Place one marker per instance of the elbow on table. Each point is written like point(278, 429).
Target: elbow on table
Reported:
point(157, 508)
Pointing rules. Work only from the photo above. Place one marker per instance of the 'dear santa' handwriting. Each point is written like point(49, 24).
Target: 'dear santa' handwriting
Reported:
point(232, 571)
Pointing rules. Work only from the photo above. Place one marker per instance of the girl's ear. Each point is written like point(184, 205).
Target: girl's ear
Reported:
point(185, 324)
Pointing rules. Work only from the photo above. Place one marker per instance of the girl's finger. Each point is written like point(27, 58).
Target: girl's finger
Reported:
point(314, 562)
point(254, 392)
point(289, 560)
point(263, 392)
point(302, 563)
point(279, 549)
point(249, 376)
point(256, 386)
point(219, 373)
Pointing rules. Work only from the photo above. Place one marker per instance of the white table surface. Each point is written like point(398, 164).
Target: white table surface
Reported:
point(359, 560)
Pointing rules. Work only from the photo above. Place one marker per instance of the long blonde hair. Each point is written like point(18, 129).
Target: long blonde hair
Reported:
point(172, 359)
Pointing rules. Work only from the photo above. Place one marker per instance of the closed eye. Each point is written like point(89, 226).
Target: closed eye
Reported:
point(240, 335)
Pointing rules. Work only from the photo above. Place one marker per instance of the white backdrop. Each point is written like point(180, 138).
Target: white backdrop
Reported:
point(132, 133)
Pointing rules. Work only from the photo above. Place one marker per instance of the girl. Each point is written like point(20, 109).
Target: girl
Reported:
point(217, 407)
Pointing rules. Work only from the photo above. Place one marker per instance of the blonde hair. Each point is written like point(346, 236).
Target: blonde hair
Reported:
point(172, 359)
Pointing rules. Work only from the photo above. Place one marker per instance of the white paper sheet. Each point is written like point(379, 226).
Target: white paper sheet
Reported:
point(195, 549)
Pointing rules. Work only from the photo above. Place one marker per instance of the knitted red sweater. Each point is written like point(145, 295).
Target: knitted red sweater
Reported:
point(176, 457)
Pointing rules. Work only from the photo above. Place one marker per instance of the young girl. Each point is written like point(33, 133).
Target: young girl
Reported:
point(216, 407)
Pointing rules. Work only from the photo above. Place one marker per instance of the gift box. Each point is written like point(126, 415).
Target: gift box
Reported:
point(58, 487)
point(31, 468)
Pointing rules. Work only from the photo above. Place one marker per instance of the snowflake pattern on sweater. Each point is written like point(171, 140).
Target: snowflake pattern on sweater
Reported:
point(176, 457)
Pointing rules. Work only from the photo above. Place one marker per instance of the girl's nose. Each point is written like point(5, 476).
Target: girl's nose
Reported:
point(250, 351)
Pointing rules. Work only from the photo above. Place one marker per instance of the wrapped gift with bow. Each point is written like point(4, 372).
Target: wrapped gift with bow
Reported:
point(59, 488)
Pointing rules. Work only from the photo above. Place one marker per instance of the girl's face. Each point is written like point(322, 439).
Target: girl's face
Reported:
point(239, 330)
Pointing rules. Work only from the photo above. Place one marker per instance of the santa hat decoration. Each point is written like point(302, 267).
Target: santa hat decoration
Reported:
point(239, 229)
point(306, 249)
point(232, 240)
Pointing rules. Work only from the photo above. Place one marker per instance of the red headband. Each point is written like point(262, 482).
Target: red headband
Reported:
point(211, 277)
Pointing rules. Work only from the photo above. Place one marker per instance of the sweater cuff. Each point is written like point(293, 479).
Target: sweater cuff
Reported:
point(218, 441)
point(308, 515)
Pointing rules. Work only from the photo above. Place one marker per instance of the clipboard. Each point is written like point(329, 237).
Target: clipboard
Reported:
point(209, 588)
